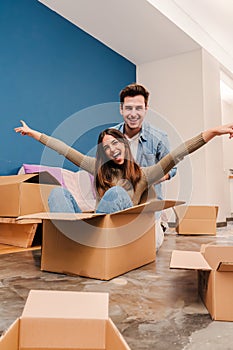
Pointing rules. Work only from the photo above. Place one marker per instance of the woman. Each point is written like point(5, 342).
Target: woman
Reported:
point(119, 181)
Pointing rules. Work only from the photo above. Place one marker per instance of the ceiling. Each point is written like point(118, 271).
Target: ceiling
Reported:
point(208, 22)
point(148, 30)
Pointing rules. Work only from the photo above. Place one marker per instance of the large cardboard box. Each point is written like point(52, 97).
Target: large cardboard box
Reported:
point(214, 264)
point(59, 320)
point(196, 220)
point(100, 246)
point(25, 194)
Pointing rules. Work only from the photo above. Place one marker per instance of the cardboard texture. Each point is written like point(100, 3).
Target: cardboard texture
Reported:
point(64, 320)
point(196, 220)
point(214, 264)
point(22, 194)
point(15, 233)
point(25, 194)
point(99, 246)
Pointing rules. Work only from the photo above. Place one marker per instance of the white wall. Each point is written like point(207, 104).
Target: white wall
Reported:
point(185, 92)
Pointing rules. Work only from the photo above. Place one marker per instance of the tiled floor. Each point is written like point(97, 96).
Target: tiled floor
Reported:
point(154, 307)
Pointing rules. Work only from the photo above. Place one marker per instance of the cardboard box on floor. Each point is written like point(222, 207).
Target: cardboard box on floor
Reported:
point(14, 233)
point(59, 320)
point(99, 246)
point(25, 194)
point(214, 264)
point(22, 194)
point(196, 220)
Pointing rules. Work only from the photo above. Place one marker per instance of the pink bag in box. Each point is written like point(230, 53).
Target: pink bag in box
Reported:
point(80, 183)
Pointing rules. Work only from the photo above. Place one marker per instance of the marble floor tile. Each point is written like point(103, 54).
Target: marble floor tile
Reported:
point(154, 307)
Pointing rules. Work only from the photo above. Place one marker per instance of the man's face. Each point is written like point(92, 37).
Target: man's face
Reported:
point(133, 111)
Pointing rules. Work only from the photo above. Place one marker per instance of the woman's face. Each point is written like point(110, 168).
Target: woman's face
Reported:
point(114, 149)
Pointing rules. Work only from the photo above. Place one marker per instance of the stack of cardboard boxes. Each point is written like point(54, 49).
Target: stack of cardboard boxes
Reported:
point(22, 194)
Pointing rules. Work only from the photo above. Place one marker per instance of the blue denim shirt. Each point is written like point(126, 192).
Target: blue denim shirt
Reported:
point(153, 145)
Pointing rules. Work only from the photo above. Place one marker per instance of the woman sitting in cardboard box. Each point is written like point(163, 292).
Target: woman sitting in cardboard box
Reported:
point(119, 181)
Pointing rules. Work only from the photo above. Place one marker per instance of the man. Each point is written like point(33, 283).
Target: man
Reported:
point(147, 143)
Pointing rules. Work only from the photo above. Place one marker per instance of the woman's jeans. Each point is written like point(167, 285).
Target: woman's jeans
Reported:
point(115, 199)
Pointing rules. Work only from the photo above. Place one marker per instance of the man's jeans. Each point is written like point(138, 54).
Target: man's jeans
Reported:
point(115, 199)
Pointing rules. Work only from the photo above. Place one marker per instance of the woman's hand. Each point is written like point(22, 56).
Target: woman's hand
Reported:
point(218, 131)
point(25, 130)
point(224, 129)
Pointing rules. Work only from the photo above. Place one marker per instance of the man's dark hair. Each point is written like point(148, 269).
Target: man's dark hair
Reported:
point(132, 90)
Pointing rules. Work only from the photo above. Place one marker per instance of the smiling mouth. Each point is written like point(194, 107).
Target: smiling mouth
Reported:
point(134, 120)
point(116, 155)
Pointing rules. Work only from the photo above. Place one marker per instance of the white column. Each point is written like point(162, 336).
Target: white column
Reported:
point(185, 92)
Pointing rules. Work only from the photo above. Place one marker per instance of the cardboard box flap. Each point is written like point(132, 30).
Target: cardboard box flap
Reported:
point(57, 216)
point(42, 178)
point(114, 339)
point(188, 260)
point(150, 206)
point(225, 267)
point(64, 319)
point(9, 340)
point(12, 179)
point(216, 254)
point(66, 304)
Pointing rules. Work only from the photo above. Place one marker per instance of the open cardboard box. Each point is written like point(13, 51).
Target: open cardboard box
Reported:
point(99, 246)
point(214, 264)
point(196, 219)
point(60, 320)
point(25, 194)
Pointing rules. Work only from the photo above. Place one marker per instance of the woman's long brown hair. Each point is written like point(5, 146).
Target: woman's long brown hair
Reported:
point(106, 168)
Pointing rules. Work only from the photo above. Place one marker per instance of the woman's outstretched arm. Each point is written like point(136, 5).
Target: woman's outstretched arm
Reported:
point(218, 131)
point(155, 172)
point(85, 162)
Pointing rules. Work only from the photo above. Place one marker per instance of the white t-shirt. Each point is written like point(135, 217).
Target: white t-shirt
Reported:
point(133, 143)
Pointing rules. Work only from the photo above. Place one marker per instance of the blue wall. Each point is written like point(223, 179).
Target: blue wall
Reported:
point(50, 70)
